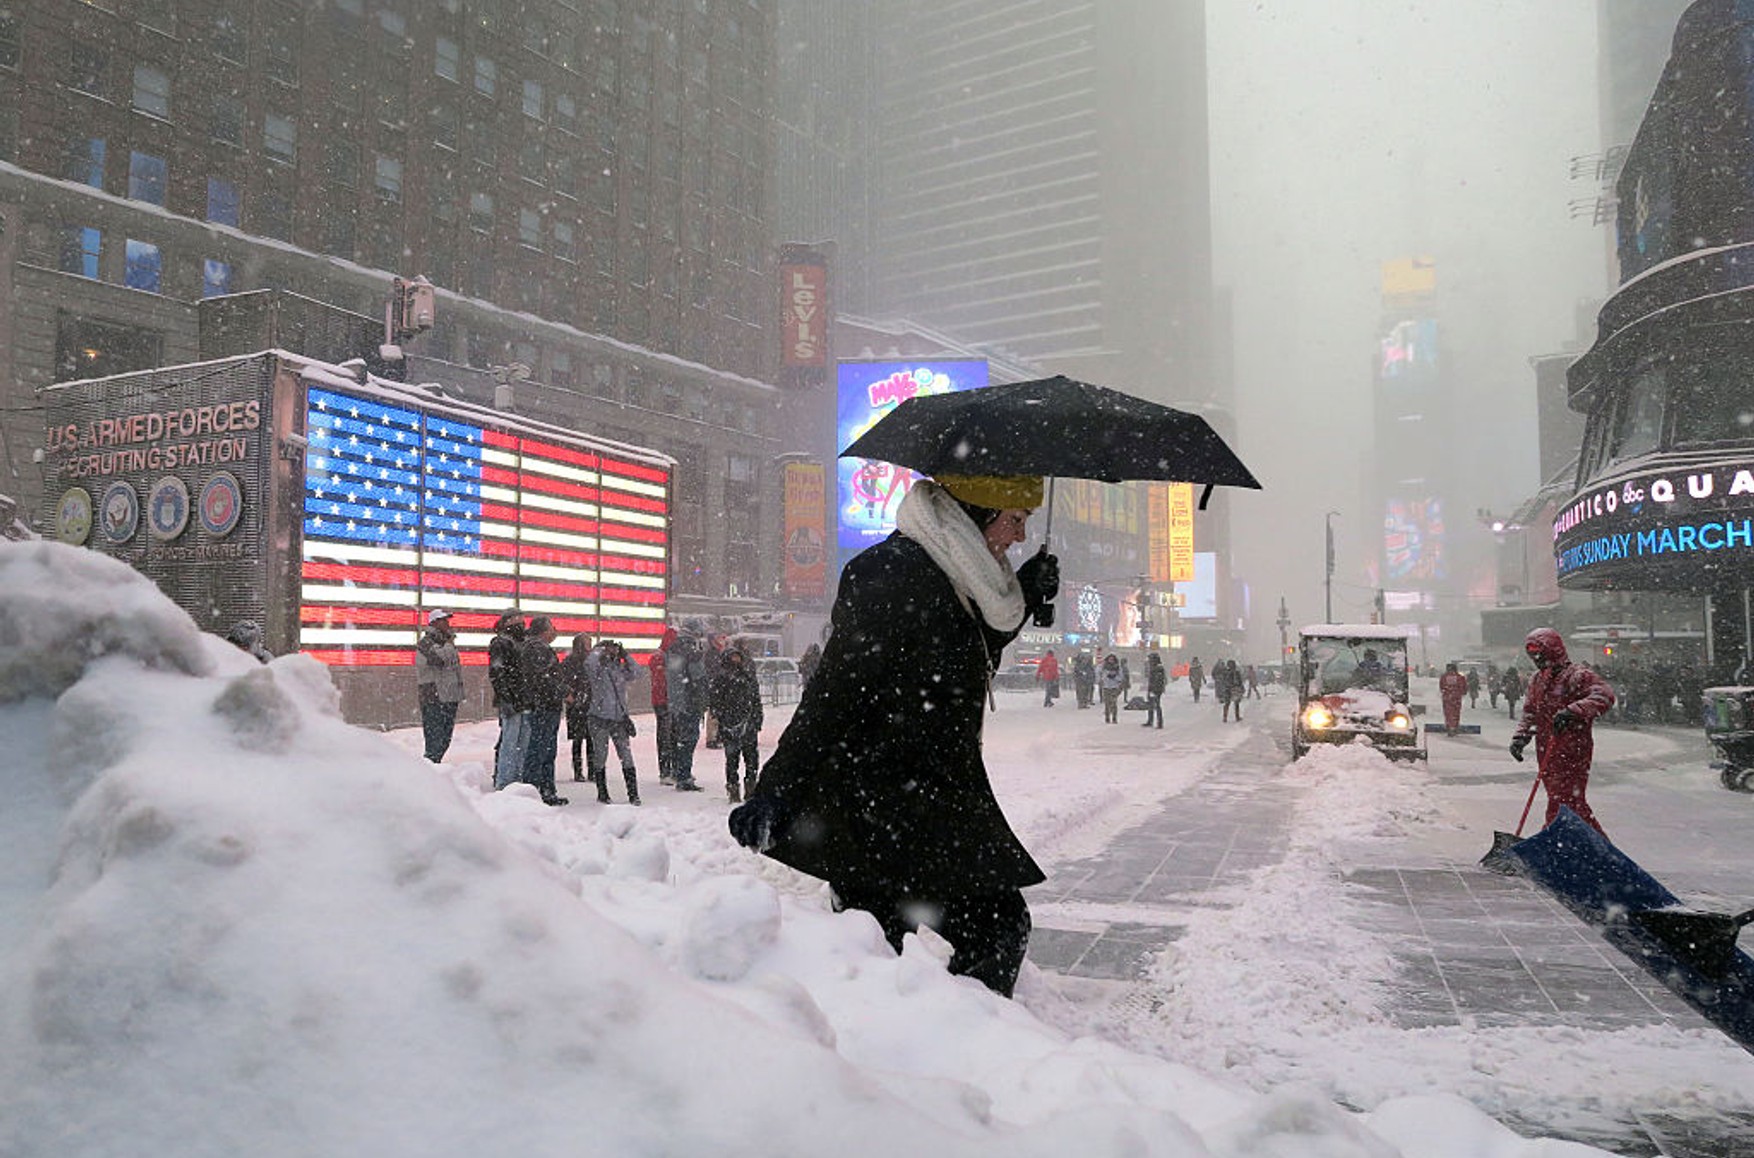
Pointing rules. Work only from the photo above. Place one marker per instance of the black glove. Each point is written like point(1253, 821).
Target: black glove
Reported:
point(1564, 720)
point(753, 824)
point(1040, 578)
point(1517, 744)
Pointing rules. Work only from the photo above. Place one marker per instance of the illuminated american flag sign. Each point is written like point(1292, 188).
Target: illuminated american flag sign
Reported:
point(409, 509)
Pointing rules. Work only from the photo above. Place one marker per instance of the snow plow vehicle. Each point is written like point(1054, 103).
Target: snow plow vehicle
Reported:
point(1352, 686)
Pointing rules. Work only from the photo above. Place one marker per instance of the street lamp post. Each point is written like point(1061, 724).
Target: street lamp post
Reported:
point(1329, 583)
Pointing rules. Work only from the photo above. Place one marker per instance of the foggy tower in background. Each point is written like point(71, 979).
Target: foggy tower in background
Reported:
point(1042, 185)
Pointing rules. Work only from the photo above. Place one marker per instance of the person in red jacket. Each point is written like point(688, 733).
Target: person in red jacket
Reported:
point(1563, 700)
point(1048, 672)
point(1452, 686)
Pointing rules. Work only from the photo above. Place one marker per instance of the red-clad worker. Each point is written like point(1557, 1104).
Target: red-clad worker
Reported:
point(1048, 672)
point(1452, 686)
point(1563, 700)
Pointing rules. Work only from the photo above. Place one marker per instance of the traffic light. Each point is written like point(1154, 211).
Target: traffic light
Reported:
point(1607, 649)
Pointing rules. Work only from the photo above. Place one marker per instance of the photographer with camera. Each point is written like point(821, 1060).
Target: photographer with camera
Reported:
point(877, 785)
point(608, 671)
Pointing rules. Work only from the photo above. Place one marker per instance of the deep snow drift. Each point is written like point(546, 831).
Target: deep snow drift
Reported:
point(236, 925)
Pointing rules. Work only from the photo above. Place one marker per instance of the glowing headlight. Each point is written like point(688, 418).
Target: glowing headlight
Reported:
point(1399, 721)
point(1317, 716)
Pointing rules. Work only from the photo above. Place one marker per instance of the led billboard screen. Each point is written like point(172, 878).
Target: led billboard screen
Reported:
point(406, 510)
point(868, 491)
point(1413, 540)
point(1201, 593)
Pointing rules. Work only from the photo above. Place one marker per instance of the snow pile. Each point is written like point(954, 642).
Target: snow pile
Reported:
point(238, 926)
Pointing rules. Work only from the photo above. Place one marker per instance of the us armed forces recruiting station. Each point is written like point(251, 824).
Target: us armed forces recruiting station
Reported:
point(156, 439)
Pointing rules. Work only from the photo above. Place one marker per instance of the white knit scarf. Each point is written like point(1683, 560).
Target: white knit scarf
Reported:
point(931, 518)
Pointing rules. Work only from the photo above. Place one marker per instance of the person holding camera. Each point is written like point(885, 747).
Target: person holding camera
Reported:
point(877, 784)
point(609, 671)
point(1563, 700)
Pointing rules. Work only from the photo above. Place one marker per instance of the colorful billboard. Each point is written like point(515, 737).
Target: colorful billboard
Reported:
point(1409, 347)
point(406, 511)
point(1181, 532)
point(868, 491)
point(806, 546)
point(1413, 540)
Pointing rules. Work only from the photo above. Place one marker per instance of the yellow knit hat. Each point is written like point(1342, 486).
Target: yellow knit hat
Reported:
point(996, 492)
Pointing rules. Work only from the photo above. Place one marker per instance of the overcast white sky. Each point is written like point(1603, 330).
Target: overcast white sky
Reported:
point(1345, 132)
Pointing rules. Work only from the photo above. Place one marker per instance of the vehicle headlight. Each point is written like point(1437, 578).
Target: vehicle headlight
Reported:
point(1317, 716)
point(1400, 721)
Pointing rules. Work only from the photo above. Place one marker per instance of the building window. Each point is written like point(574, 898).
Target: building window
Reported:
point(90, 349)
point(143, 266)
point(8, 37)
point(146, 178)
point(565, 176)
point(342, 162)
point(560, 370)
point(338, 234)
point(563, 242)
point(228, 39)
point(158, 15)
point(566, 112)
point(222, 202)
point(444, 127)
point(481, 212)
point(533, 99)
point(85, 161)
point(282, 60)
point(279, 136)
point(392, 103)
point(228, 120)
point(530, 228)
point(535, 33)
point(389, 178)
point(81, 246)
point(486, 76)
point(275, 215)
point(393, 23)
point(152, 91)
point(447, 58)
point(532, 159)
point(88, 68)
point(483, 141)
point(215, 277)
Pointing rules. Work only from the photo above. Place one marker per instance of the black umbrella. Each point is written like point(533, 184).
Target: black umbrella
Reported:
point(1052, 427)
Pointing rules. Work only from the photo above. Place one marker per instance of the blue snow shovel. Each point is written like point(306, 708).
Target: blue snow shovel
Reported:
point(1706, 941)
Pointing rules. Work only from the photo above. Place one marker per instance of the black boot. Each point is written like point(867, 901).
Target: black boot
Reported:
point(732, 791)
point(632, 779)
point(600, 780)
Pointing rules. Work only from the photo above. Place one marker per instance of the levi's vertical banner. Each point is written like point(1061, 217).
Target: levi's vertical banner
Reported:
point(804, 315)
point(806, 530)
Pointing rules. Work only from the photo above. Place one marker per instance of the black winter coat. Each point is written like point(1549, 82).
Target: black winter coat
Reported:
point(879, 776)
point(736, 700)
point(544, 684)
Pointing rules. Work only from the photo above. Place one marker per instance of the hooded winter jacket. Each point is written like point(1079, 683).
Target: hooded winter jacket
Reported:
point(1562, 684)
